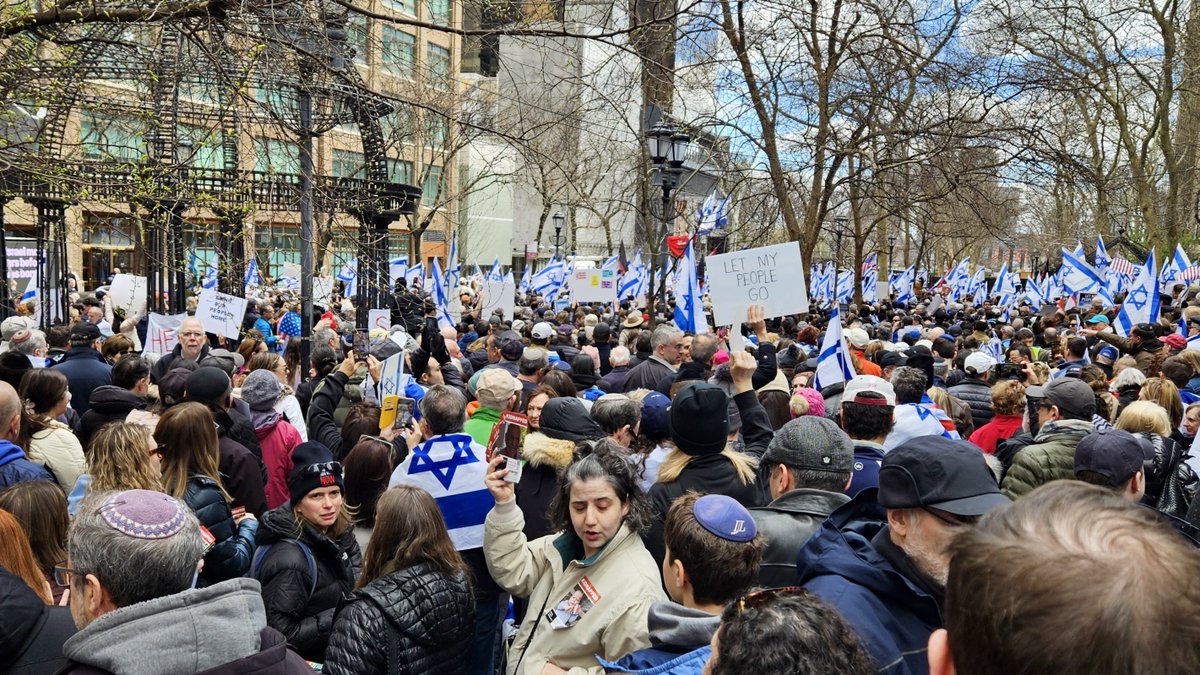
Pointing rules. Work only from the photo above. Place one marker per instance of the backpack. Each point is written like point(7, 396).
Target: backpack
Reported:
point(261, 554)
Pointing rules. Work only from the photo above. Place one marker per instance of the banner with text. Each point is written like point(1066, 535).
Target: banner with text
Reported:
point(221, 313)
point(161, 332)
point(594, 285)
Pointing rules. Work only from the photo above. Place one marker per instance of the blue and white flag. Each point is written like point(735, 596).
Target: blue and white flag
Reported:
point(1101, 258)
point(497, 273)
point(612, 264)
point(1078, 276)
point(902, 284)
point(977, 285)
point(478, 276)
point(1174, 266)
point(440, 297)
point(689, 309)
point(870, 277)
point(451, 469)
point(844, 291)
point(396, 268)
point(547, 278)
point(712, 214)
point(1141, 302)
point(834, 360)
point(251, 279)
point(1005, 287)
point(414, 274)
point(524, 287)
point(31, 291)
point(452, 264)
point(349, 275)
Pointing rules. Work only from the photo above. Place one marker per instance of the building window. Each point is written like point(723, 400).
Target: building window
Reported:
point(272, 155)
point(397, 244)
point(430, 188)
point(358, 36)
point(397, 126)
point(437, 131)
point(206, 151)
point(349, 164)
point(399, 51)
point(119, 138)
point(278, 244)
point(277, 101)
point(438, 65)
point(400, 171)
point(438, 10)
point(404, 6)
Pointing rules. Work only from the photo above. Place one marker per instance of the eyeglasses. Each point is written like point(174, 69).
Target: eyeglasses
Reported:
point(62, 575)
point(760, 598)
point(159, 450)
point(951, 519)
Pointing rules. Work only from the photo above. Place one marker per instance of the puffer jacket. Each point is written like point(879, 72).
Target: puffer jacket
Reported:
point(978, 395)
point(305, 620)
point(418, 614)
point(108, 404)
point(16, 468)
point(1165, 466)
point(544, 458)
point(58, 449)
point(230, 555)
point(277, 439)
point(618, 585)
point(1051, 456)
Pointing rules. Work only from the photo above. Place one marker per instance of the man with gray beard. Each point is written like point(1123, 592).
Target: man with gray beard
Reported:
point(882, 559)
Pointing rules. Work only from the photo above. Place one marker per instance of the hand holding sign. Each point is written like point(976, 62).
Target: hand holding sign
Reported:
point(770, 276)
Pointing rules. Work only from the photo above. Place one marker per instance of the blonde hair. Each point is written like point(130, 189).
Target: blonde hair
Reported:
point(117, 459)
point(940, 398)
point(1008, 397)
point(1166, 395)
point(188, 435)
point(345, 519)
point(745, 466)
point(1144, 416)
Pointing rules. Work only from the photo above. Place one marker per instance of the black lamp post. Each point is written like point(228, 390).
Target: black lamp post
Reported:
point(558, 225)
point(839, 229)
point(891, 242)
point(667, 147)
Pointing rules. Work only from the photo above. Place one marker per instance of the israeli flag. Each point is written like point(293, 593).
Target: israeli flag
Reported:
point(497, 273)
point(251, 279)
point(1142, 302)
point(524, 287)
point(689, 310)
point(712, 214)
point(1175, 266)
point(1101, 258)
point(1005, 287)
point(833, 361)
point(547, 278)
point(452, 265)
point(31, 291)
point(902, 284)
point(977, 284)
point(396, 268)
point(844, 290)
point(451, 469)
point(349, 275)
point(1078, 276)
point(440, 298)
point(870, 277)
point(612, 263)
point(414, 274)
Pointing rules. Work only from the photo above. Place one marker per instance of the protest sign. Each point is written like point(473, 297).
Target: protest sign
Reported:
point(495, 294)
point(128, 292)
point(220, 313)
point(322, 290)
point(594, 285)
point(771, 276)
point(379, 318)
point(161, 332)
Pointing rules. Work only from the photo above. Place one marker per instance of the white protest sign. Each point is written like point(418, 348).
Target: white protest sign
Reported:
point(882, 289)
point(322, 290)
point(771, 276)
point(594, 285)
point(128, 292)
point(495, 295)
point(391, 376)
point(161, 332)
point(220, 313)
point(379, 318)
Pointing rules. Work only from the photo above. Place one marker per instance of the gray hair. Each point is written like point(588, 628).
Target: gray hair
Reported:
point(36, 341)
point(1127, 377)
point(910, 384)
point(665, 334)
point(619, 356)
point(324, 336)
point(704, 348)
point(614, 411)
point(133, 570)
point(444, 409)
point(532, 360)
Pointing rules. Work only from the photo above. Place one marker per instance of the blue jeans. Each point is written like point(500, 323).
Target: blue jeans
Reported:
point(489, 613)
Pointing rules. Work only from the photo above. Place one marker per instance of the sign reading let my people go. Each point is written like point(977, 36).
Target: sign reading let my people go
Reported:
point(771, 276)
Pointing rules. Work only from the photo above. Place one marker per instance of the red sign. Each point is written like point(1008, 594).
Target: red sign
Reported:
point(677, 244)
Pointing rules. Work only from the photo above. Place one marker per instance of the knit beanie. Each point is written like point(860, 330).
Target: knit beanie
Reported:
point(312, 467)
point(261, 389)
point(700, 419)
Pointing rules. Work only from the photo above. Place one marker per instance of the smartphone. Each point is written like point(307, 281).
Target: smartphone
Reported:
point(404, 412)
point(362, 345)
point(1009, 371)
point(387, 411)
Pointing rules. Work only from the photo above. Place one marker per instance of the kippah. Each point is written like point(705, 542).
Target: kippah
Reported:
point(21, 336)
point(725, 517)
point(144, 514)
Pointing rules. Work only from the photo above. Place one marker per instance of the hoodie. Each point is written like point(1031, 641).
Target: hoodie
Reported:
point(107, 404)
point(679, 642)
point(221, 627)
point(15, 467)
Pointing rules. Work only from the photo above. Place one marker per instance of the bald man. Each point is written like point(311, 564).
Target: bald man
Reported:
point(14, 466)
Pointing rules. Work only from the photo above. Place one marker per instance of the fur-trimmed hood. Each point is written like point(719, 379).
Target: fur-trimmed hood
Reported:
point(541, 450)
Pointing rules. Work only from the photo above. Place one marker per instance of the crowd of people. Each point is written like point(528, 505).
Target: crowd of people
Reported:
point(985, 494)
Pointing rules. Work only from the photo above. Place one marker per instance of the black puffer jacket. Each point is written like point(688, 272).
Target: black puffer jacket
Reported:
point(305, 620)
point(418, 614)
point(978, 395)
point(230, 556)
point(1167, 466)
point(108, 404)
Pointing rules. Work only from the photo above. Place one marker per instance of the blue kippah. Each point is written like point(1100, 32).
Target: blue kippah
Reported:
point(144, 514)
point(725, 517)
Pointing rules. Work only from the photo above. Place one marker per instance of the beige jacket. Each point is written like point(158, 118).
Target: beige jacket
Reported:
point(58, 449)
point(622, 579)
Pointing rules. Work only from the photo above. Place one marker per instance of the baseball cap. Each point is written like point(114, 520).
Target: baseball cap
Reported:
point(1098, 318)
point(1073, 397)
point(207, 384)
point(932, 471)
point(84, 333)
point(887, 359)
point(724, 517)
point(654, 424)
point(1174, 341)
point(542, 331)
point(813, 443)
point(511, 346)
point(871, 384)
point(978, 363)
point(1113, 453)
point(494, 387)
point(1107, 354)
point(857, 337)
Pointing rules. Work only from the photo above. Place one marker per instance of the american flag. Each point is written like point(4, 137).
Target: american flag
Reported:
point(1190, 273)
point(1121, 266)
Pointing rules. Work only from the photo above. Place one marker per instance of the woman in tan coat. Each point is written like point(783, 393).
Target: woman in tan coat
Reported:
point(47, 441)
point(590, 586)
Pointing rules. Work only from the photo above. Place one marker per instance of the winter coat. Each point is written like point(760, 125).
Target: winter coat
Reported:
point(277, 439)
point(289, 406)
point(647, 374)
point(679, 639)
point(219, 630)
point(545, 458)
point(1051, 456)
point(86, 371)
point(1167, 465)
point(604, 349)
point(407, 310)
point(977, 394)
point(16, 468)
point(1001, 428)
point(865, 476)
point(620, 582)
point(786, 524)
point(613, 382)
point(890, 613)
point(57, 448)
point(242, 475)
point(322, 413)
point(479, 426)
point(107, 404)
point(305, 619)
point(230, 556)
point(31, 633)
point(418, 614)
point(1149, 354)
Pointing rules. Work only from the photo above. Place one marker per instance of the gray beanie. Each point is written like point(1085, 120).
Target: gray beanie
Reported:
point(261, 389)
point(813, 443)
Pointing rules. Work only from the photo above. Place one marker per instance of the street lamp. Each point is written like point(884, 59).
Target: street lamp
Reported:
point(667, 147)
point(839, 229)
point(558, 225)
point(891, 242)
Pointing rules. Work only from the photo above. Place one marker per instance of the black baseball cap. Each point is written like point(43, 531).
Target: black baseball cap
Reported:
point(932, 471)
point(1074, 398)
point(85, 333)
point(1113, 453)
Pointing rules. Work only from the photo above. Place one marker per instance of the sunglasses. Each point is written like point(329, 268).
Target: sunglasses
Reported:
point(760, 598)
point(160, 450)
point(950, 519)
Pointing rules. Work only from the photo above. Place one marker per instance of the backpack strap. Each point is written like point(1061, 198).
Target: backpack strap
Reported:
point(261, 554)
